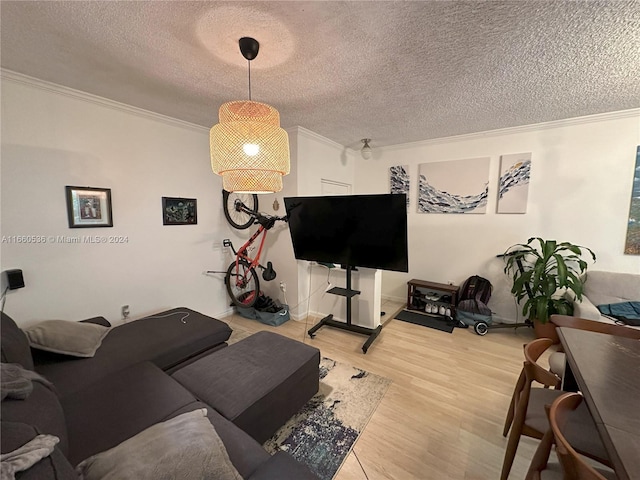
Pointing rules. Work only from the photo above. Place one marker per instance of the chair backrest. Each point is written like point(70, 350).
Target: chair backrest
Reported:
point(575, 468)
point(517, 413)
point(594, 326)
point(534, 372)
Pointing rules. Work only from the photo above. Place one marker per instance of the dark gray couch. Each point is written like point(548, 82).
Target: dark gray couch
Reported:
point(99, 402)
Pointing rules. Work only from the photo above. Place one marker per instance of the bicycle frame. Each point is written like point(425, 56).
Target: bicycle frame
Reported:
point(242, 252)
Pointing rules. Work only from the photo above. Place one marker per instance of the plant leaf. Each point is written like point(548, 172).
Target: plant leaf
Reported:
point(561, 270)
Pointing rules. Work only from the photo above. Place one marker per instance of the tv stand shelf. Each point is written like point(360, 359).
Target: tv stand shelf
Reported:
point(343, 292)
point(328, 321)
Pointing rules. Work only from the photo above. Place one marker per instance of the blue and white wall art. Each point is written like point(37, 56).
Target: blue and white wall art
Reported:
point(399, 180)
point(513, 190)
point(459, 186)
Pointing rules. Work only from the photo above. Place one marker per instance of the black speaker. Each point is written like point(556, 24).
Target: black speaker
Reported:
point(15, 279)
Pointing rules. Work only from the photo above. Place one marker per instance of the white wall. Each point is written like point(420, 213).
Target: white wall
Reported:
point(53, 137)
point(580, 191)
point(318, 159)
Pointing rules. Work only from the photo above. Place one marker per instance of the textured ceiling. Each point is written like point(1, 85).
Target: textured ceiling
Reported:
point(396, 72)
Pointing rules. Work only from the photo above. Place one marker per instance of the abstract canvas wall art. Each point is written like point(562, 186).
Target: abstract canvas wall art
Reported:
point(399, 180)
point(513, 189)
point(459, 186)
point(632, 244)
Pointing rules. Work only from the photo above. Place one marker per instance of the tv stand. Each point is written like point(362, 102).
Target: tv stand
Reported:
point(328, 321)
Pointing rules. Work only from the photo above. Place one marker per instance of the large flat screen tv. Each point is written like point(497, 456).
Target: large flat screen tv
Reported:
point(350, 230)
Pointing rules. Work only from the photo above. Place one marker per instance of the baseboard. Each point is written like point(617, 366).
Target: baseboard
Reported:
point(393, 299)
point(225, 313)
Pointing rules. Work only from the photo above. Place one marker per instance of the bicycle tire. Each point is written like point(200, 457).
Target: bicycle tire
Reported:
point(236, 219)
point(246, 293)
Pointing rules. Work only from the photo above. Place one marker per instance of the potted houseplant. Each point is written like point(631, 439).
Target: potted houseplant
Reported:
point(543, 272)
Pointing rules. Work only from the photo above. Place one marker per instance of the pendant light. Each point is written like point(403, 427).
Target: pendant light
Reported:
point(366, 149)
point(248, 148)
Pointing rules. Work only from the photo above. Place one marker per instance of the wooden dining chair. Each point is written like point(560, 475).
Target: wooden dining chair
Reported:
point(526, 415)
point(570, 465)
point(557, 360)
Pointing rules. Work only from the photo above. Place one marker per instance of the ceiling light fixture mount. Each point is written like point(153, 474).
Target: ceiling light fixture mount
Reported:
point(366, 149)
point(248, 148)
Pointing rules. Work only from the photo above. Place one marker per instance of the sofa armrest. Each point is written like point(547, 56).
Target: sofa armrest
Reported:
point(586, 309)
point(282, 465)
point(98, 321)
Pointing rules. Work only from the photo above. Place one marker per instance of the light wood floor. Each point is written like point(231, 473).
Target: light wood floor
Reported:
point(442, 417)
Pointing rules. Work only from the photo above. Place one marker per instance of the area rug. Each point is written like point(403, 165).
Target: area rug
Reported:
point(425, 321)
point(323, 433)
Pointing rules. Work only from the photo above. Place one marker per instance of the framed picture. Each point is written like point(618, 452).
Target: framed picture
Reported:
point(89, 207)
point(179, 211)
point(513, 189)
point(632, 243)
point(399, 181)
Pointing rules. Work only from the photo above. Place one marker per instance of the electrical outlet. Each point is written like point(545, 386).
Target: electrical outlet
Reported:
point(283, 287)
point(125, 312)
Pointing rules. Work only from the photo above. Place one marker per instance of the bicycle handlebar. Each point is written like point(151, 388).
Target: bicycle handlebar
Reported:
point(267, 221)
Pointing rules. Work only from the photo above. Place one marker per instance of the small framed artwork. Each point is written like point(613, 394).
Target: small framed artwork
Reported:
point(89, 207)
point(179, 211)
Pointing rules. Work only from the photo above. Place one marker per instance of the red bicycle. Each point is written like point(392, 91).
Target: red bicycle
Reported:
point(241, 280)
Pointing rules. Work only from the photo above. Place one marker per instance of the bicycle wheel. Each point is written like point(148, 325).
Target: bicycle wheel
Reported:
point(242, 284)
point(237, 218)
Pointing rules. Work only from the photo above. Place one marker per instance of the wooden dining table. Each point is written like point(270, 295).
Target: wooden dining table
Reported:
point(606, 370)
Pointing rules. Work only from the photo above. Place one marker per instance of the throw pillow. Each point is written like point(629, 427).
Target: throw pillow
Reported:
point(185, 447)
point(69, 338)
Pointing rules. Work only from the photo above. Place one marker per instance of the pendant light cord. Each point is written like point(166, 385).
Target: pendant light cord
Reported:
point(249, 62)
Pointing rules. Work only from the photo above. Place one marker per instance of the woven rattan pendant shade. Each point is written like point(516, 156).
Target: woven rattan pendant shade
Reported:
point(248, 148)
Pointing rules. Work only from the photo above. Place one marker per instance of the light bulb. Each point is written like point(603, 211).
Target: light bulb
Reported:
point(251, 149)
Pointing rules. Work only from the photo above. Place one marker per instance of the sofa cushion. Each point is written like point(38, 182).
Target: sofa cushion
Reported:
point(166, 339)
point(120, 406)
point(283, 465)
point(77, 339)
point(186, 447)
point(15, 344)
point(53, 467)
point(257, 383)
point(42, 410)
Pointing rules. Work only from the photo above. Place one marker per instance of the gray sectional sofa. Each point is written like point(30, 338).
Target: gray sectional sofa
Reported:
point(149, 371)
point(605, 288)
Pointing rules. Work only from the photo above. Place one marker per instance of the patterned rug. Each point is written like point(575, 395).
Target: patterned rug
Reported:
point(323, 433)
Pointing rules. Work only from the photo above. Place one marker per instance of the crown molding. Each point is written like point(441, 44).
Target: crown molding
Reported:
point(303, 132)
point(598, 117)
point(19, 78)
